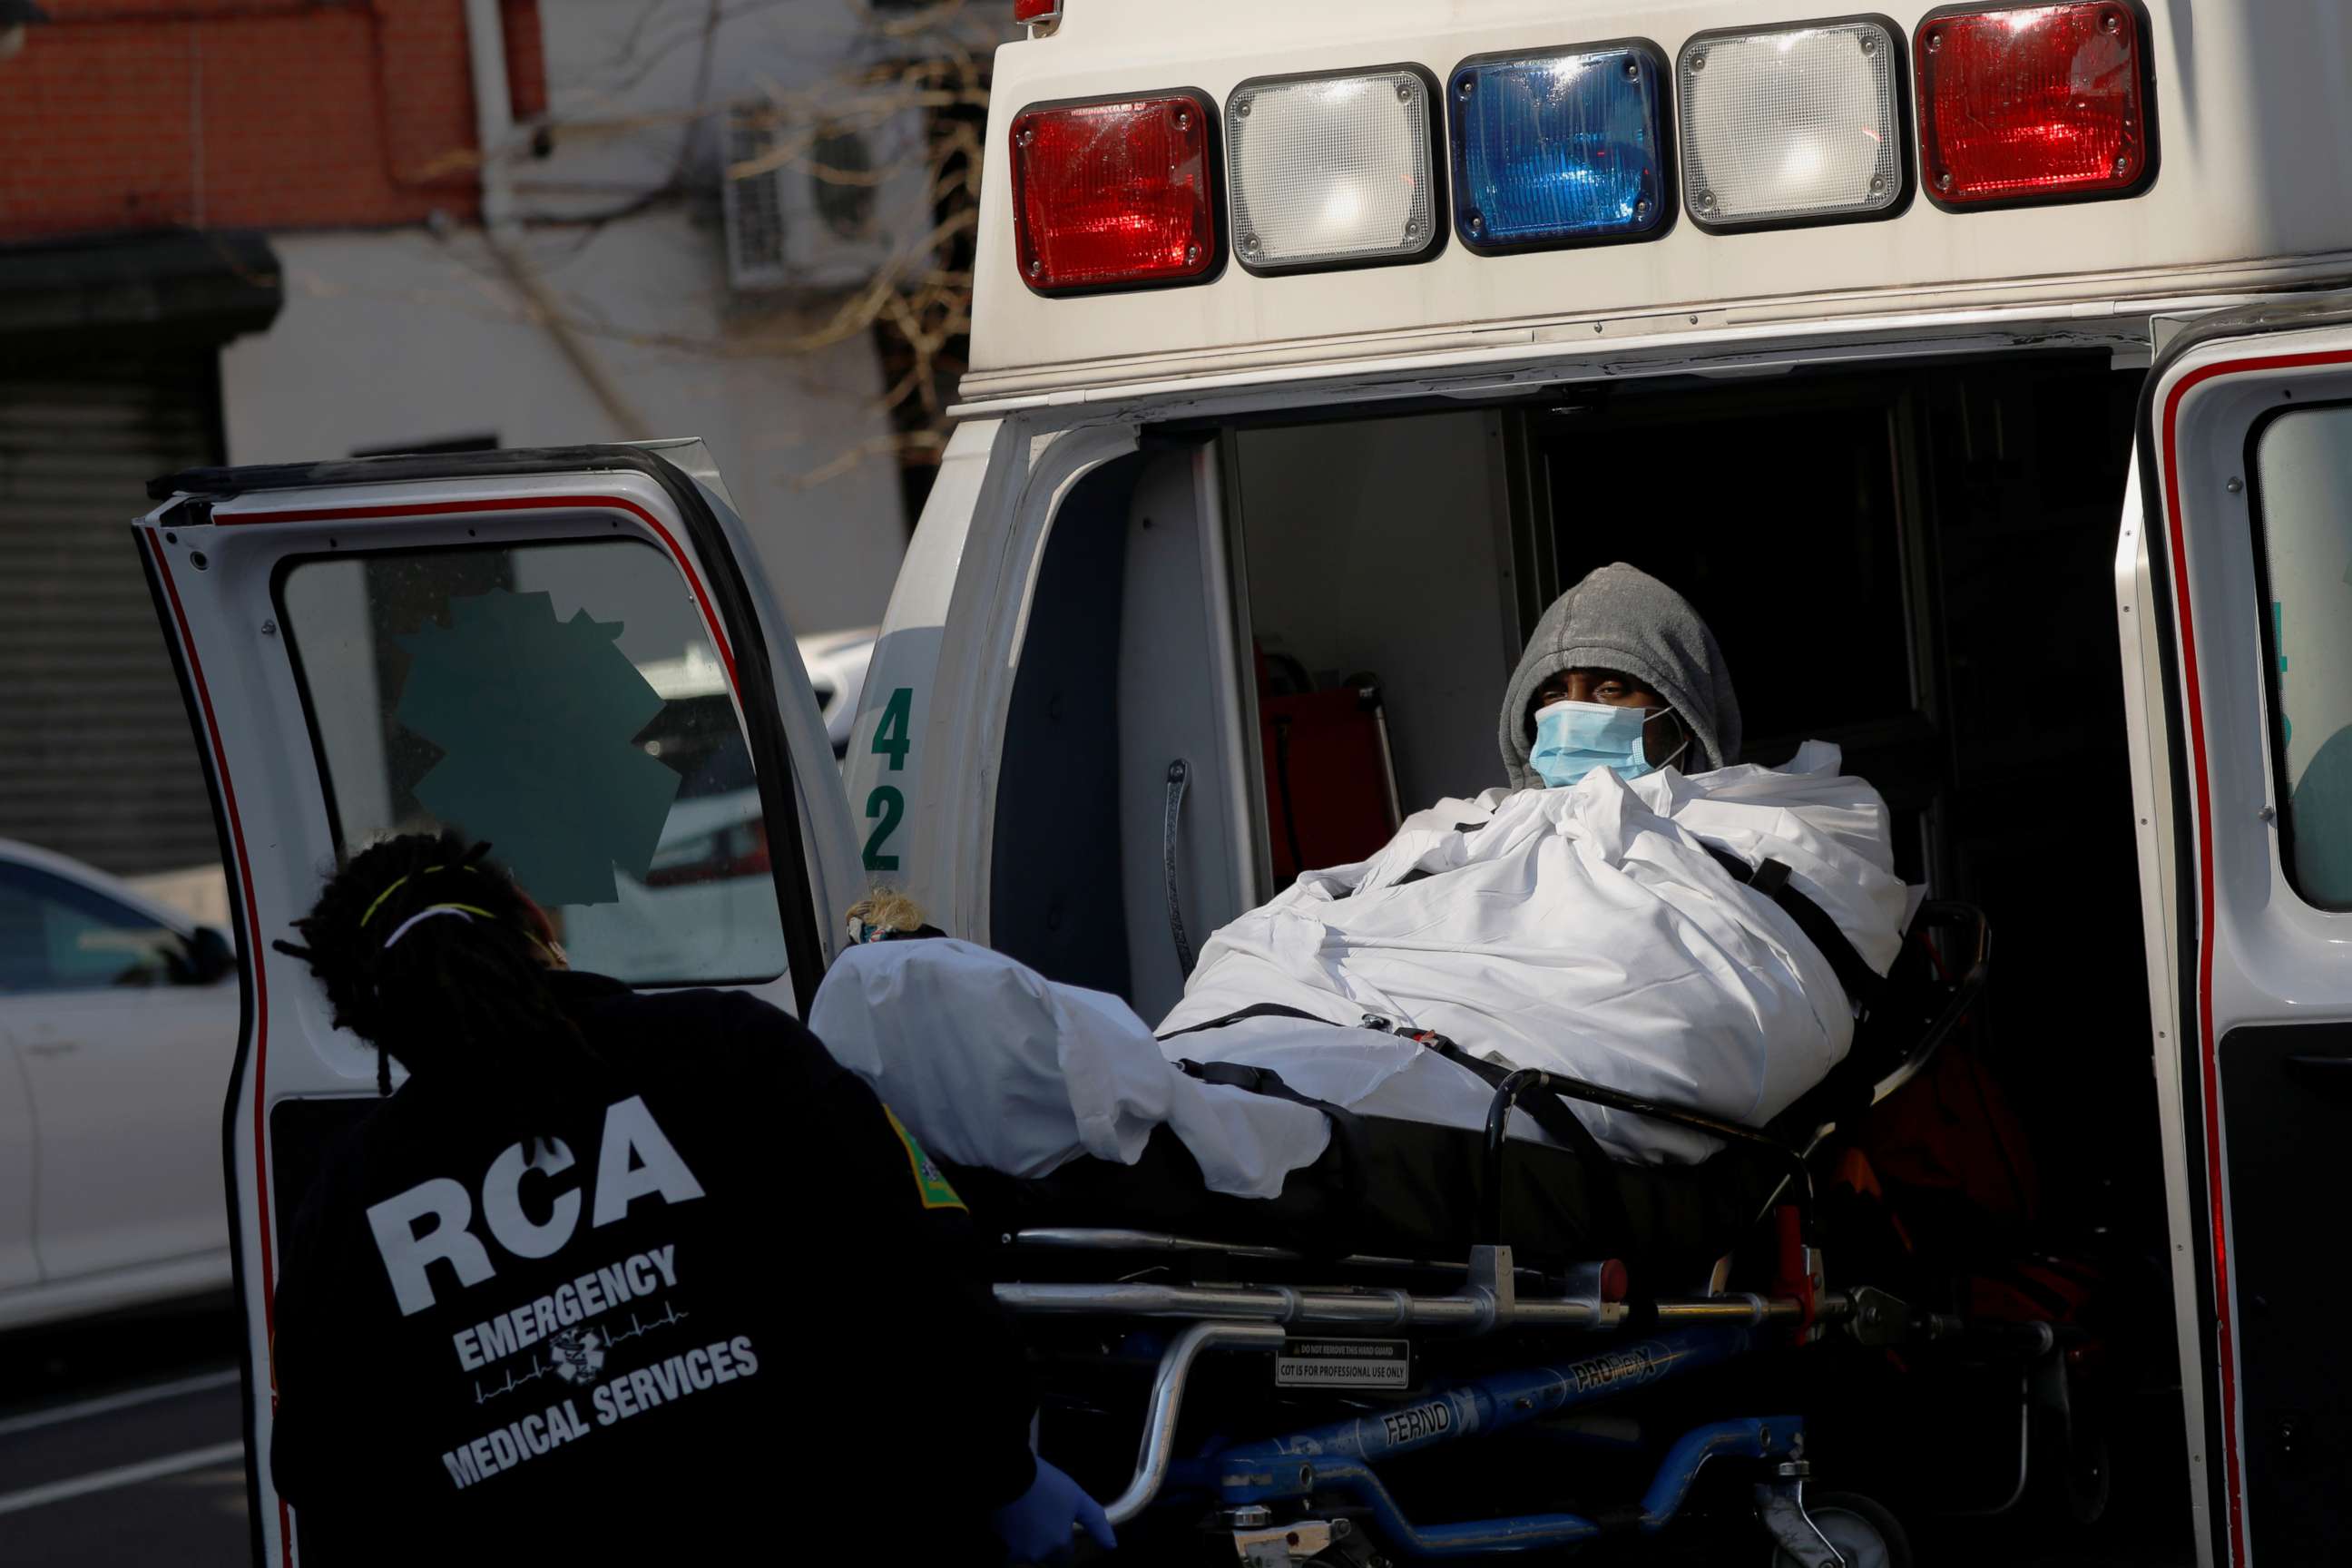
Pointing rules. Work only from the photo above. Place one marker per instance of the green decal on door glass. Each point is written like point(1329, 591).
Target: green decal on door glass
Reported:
point(890, 738)
point(887, 803)
point(536, 720)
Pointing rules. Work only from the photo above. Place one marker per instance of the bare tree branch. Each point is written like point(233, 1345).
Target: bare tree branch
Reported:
point(931, 66)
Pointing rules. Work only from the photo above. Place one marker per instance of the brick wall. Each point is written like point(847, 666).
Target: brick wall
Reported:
point(132, 114)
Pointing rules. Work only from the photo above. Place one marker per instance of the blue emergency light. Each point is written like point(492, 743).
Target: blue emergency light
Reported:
point(1566, 147)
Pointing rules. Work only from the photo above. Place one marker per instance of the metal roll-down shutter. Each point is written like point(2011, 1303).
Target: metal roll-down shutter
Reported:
point(96, 756)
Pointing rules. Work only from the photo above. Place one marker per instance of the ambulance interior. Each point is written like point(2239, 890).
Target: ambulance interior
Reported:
point(1913, 560)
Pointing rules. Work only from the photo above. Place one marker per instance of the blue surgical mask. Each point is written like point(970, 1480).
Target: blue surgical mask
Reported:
point(1574, 738)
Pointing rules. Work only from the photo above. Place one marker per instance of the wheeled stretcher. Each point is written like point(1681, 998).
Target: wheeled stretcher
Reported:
point(1400, 1356)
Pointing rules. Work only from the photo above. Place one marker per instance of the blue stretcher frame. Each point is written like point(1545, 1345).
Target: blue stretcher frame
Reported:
point(1342, 1457)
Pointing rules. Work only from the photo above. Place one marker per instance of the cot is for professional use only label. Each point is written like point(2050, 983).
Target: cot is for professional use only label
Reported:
point(1344, 1363)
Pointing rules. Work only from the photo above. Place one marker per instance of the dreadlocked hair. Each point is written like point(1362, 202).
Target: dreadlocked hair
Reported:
point(433, 955)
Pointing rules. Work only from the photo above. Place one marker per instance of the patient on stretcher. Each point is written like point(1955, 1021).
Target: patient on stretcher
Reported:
point(1586, 920)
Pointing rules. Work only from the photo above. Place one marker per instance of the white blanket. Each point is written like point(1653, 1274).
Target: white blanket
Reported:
point(1584, 930)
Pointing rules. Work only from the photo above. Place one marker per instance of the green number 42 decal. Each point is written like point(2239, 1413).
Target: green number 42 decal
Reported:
point(885, 807)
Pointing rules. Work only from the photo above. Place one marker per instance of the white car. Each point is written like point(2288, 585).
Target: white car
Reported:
point(706, 906)
point(836, 664)
point(121, 1019)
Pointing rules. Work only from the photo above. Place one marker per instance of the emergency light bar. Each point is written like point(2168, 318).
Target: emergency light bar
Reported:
point(1565, 147)
point(1333, 170)
point(1792, 125)
point(2032, 103)
point(1795, 123)
point(1117, 192)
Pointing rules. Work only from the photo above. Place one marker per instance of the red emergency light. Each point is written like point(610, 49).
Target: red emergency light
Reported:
point(2032, 103)
point(1115, 194)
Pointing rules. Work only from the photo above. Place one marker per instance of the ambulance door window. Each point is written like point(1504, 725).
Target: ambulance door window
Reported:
point(2302, 474)
point(564, 703)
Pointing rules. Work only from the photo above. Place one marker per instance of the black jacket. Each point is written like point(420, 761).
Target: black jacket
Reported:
point(731, 1306)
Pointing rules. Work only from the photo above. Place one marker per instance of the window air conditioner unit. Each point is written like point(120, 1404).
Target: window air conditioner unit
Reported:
point(844, 202)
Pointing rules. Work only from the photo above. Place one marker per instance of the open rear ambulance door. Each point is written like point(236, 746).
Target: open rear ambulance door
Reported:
point(2234, 584)
point(570, 654)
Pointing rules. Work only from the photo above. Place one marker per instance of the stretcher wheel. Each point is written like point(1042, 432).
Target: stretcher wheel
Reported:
point(1862, 1531)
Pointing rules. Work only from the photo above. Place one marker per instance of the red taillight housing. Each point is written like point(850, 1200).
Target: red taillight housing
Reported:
point(1036, 10)
point(1116, 193)
point(2032, 103)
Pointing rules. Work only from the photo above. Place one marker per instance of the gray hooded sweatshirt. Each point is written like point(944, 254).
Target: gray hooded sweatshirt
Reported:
point(1626, 620)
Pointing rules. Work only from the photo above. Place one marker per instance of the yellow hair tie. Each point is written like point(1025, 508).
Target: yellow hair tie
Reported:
point(399, 882)
point(380, 898)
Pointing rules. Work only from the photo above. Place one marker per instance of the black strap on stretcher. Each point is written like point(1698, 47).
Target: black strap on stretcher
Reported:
point(1347, 1127)
point(1611, 1226)
point(1864, 986)
point(1255, 1010)
point(1267, 1083)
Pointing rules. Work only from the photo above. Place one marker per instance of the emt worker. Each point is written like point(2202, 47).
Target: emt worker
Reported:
point(622, 1278)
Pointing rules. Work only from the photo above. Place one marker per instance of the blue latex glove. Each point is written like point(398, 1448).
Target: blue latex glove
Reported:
point(1036, 1527)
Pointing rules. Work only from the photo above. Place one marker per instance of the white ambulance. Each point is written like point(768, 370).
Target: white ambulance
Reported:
point(1974, 372)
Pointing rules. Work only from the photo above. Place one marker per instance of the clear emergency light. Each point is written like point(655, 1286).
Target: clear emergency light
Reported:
point(1332, 170)
point(1792, 125)
point(1567, 147)
point(2030, 103)
point(1115, 194)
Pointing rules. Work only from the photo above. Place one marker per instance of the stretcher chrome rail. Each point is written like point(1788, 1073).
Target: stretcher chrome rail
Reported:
point(1256, 1318)
point(1158, 1446)
point(1283, 1304)
point(1110, 1238)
